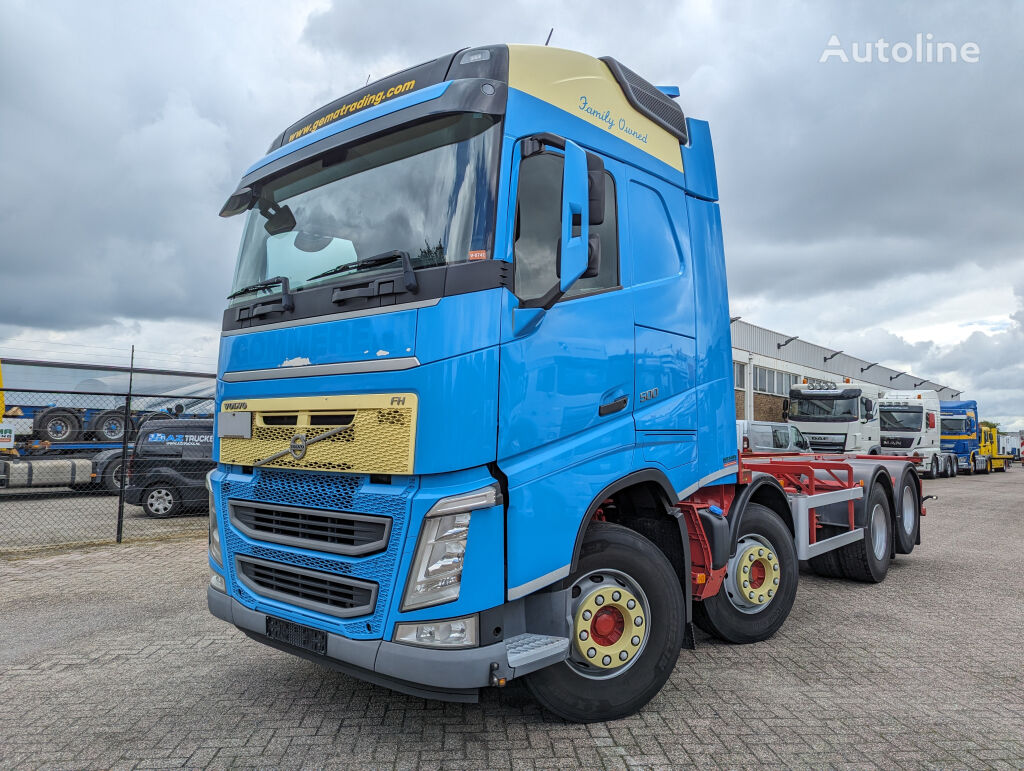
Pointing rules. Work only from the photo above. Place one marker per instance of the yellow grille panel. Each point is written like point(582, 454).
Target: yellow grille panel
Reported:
point(359, 433)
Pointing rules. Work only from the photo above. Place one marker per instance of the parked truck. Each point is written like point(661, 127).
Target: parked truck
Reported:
point(475, 401)
point(910, 427)
point(1011, 443)
point(961, 433)
point(837, 418)
point(988, 447)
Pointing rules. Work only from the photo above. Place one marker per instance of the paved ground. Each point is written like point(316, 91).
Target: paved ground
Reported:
point(108, 659)
point(35, 520)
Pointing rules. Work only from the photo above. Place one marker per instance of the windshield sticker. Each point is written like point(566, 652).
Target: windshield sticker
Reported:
point(477, 254)
point(368, 100)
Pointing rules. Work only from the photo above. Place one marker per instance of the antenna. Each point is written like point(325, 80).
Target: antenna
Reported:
point(367, 79)
point(549, 36)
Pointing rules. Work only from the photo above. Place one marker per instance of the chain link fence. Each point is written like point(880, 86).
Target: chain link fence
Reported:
point(80, 467)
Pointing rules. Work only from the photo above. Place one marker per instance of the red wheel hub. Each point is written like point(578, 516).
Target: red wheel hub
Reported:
point(607, 626)
point(756, 575)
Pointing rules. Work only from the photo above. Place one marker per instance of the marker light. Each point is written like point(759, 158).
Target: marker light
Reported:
point(214, 537)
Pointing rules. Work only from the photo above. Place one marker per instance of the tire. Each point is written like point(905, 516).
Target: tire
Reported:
point(161, 501)
point(586, 688)
point(987, 469)
point(954, 467)
point(59, 426)
point(111, 476)
point(933, 471)
point(908, 517)
point(970, 467)
point(827, 564)
point(108, 426)
point(945, 473)
point(736, 619)
point(868, 559)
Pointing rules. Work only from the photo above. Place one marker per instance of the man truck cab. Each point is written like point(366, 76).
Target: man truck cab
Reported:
point(837, 418)
point(910, 426)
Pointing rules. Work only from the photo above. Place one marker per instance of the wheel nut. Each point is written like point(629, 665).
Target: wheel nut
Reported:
point(776, 581)
point(591, 653)
point(616, 596)
point(606, 660)
point(584, 635)
point(631, 604)
point(746, 569)
point(599, 600)
point(750, 557)
point(746, 584)
point(586, 615)
point(638, 621)
point(635, 640)
point(760, 552)
point(775, 566)
point(771, 592)
point(760, 598)
point(623, 656)
point(750, 595)
point(771, 556)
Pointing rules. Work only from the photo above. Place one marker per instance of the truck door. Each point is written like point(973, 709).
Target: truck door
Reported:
point(569, 378)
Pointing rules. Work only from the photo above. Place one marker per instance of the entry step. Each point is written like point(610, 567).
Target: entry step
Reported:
point(528, 650)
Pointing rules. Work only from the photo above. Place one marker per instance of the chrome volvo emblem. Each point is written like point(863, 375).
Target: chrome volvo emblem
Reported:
point(298, 445)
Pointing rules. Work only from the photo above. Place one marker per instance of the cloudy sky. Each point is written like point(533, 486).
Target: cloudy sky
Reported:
point(874, 207)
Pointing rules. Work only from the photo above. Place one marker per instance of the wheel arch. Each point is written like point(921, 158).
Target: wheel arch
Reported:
point(765, 490)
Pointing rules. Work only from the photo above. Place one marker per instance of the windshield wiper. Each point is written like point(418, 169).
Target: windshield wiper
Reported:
point(285, 303)
point(376, 261)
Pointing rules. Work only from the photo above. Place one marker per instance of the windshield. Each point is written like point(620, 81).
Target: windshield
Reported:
point(954, 426)
point(901, 418)
point(428, 190)
point(823, 408)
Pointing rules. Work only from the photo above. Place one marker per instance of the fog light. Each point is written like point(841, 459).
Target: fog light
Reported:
point(450, 633)
point(217, 582)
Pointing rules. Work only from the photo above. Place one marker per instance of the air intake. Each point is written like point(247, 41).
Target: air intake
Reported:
point(649, 101)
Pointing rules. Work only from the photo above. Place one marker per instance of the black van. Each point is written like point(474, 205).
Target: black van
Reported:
point(168, 467)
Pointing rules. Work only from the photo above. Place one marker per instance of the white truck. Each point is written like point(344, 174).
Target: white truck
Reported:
point(837, 418)
point(910, 426)
point(1011, 443)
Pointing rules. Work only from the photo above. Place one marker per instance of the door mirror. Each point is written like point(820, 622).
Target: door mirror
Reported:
point(970, 425)
point(931, 420)
point(573, 252)
point(785, 409)
point(869, 408)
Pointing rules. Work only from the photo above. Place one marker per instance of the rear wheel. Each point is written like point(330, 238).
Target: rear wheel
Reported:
point(933, 470)
point(868, 559)
point(908, 518)
point(760, 583)
point(108, 426)
point(627, 619)
point(945, 472)
point(161, 500)
point(986, 467)
point(954, 466)
point(59, 426)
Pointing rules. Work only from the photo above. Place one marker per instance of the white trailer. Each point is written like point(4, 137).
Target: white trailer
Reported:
point(911, 426)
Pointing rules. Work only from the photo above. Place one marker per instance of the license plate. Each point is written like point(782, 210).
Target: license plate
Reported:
point(300, 636)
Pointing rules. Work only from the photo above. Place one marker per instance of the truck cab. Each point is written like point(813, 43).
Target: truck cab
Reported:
point(961, 434)
point(835, 418)
point(910, 427)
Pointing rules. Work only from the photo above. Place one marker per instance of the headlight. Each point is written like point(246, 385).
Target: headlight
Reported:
point(214, 538)
point(453, 633)
point(436, 572)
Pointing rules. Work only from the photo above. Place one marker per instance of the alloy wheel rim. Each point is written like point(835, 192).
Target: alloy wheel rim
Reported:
point(160, 501)
point(908, 509)
point(610, 624)
point(879, 532)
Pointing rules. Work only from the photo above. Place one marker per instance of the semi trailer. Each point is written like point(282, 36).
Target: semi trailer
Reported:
point(910, 427)
point(475, 415)
point(837, 418)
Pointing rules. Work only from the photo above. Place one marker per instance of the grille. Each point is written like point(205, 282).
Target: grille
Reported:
point(338, 492)
point(331, 531)
point(362, 434)
point(311, 589)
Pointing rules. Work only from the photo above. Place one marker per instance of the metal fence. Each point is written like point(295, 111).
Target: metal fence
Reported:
point(80, 467)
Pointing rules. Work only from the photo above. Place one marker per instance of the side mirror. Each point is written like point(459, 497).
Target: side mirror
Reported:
point(596, 188)
point(970, 425)
point(869, 408)
point(573, 254)
point(931, 420)
point(785, 410)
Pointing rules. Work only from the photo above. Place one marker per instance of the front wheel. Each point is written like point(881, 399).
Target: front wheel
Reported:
point(760, 582)
point(161, 500)
point(933, 471)
point(627, 619)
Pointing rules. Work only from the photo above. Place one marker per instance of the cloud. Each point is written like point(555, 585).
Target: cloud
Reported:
point(868, 206)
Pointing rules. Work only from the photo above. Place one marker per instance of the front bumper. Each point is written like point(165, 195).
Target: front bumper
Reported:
point(448, 675)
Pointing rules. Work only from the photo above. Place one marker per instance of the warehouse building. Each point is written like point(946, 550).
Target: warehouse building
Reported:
point(767, 363)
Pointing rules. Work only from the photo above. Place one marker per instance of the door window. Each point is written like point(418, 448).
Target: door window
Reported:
point(539, 226)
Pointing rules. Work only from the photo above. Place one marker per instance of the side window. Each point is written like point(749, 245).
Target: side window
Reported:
point(538, 228)
point(655, 250)
point(780, 438)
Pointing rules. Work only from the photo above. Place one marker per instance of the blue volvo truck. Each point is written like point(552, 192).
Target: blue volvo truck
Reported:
point(960, 434)
point(475, 416)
